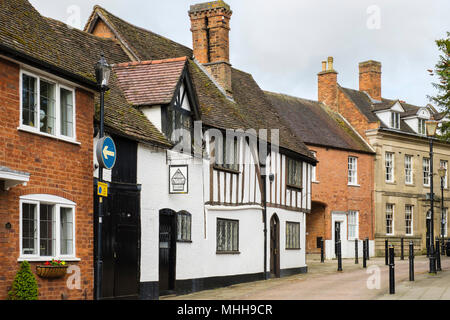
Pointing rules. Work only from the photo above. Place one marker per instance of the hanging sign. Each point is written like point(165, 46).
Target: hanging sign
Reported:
point(178, 179)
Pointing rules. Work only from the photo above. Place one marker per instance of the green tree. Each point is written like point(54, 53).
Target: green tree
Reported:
point(25, 285)
point(442, 71)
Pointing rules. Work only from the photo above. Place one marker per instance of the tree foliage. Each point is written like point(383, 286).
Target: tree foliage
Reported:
point(25, 285)
point(442, 71)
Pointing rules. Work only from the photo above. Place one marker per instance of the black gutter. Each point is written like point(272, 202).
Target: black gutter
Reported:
point(27, 59)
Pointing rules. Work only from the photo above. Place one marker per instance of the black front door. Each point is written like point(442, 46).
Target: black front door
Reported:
point(121, 242)
point(167, 251)
point(337, 234)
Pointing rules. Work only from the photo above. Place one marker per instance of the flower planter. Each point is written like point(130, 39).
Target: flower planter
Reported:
point(51, 271)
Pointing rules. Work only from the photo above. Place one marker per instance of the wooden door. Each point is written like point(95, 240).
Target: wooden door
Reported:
point(275, 247)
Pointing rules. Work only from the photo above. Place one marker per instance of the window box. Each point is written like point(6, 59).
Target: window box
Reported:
point(51, 272)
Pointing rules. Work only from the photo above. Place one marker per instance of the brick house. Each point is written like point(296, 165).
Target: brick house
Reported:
point(342, 182)
point(396, 130)
point(48, 95)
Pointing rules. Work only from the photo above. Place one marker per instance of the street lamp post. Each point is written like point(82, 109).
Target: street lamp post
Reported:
point(442, 173)
point(102, 74)
point(431, 132)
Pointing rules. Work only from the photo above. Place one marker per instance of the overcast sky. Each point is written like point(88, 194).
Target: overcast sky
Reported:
point(282, 43)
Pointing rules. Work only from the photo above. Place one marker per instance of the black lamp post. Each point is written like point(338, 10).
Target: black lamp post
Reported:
point(431, 132)
point(102, 74)
point(442, 173)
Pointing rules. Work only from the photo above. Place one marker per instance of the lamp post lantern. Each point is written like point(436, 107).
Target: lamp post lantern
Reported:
point(102, 74)
point(431, 127)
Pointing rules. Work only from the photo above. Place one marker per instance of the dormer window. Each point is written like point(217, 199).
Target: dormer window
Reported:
point(422, 127)
point(395, 120)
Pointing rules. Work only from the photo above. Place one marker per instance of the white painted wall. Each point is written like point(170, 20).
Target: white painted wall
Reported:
point(288, 258)
point(154, 115)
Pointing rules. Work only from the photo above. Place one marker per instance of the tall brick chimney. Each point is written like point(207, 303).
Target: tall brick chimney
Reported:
point(210, 26)
point(328, 89)
point(370, 78)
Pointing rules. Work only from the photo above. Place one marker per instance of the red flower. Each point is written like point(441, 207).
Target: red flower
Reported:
point(47, 263)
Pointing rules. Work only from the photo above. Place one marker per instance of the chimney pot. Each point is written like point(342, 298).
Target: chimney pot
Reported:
point(324, 66)
point(330, 63)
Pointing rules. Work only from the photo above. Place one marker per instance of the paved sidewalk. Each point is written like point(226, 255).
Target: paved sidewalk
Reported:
point(323, 282)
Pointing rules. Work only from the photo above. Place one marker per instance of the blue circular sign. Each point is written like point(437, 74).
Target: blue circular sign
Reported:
point(106, 153)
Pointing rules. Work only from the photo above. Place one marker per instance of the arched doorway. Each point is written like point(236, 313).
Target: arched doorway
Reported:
point(316, 227)
point(167, 251)
point(275, 246)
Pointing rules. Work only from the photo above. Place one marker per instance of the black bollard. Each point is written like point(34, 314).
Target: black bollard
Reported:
point(386, 252)
point(364, 254)
point(391, 270)
point(438, 256)
point(339, 255)
point(402, 256)
point(367, 249)
point(411, 261)
point(322, 258)
point(356, 251)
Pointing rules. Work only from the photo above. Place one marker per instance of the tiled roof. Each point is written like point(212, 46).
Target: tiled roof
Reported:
point(250, 108)
point(145, 44)
point(316, 124)
point(24, 30)
point(362, 102)
point(149, 82)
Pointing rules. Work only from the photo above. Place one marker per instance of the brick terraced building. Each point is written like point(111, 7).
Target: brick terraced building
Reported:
point(342, 182)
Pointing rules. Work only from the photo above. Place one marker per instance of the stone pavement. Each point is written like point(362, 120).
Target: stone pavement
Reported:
point(323, 282)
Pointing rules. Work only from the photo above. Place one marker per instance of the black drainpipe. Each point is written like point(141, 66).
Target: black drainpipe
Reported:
point(264, 199)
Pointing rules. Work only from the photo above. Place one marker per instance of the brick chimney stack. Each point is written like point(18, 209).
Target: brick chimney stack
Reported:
point(328, 89)
point(370, 78)
point(210, 26)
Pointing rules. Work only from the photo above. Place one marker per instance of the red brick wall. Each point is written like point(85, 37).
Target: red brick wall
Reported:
point(370, 78)
point(57, 168)
point(353, 115)
point(333, 192)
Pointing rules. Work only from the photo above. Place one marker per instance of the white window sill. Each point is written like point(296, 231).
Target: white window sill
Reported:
point(315, 182)
point(353, 185)
point(45, 259)
point(60, 138)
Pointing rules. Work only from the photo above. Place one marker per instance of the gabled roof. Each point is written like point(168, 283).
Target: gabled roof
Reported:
point(317, 124)
point(149, 82)
point(250, 108)
point(144, 44)
point(368, 108)
point(24, 31)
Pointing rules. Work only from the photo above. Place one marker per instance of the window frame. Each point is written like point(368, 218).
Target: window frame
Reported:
point(411, 220)
point(446, 172)
point(58, 203)
point(58, 86)
point(386, 167)
point(185, 214)
point(421, 124)
point(288, 245)
point(411, 173)
point(356, 225)
point(314, 169)
point(231, 168)
point(298, 163)
point(446, 222)
point(428, 172)
point(351, 183)
point(395, 120)
point(233, 251)
point(392, 218)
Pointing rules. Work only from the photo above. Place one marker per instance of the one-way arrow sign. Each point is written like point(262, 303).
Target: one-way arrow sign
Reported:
point(106, 153)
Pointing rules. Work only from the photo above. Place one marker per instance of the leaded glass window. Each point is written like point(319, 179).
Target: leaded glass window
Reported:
point(227, 235)
point(184, 222)
point(292, 235)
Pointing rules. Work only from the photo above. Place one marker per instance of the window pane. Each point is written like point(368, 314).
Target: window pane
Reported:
point(29, 100)
point(47, 107)
point(66, 231)
point(389, 218)
point(66, 113)
point(47, 230)
point(292, 235)
point(29, 229)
